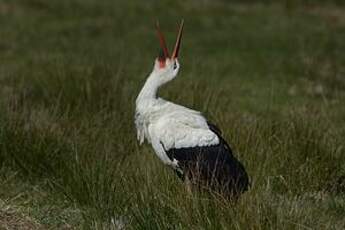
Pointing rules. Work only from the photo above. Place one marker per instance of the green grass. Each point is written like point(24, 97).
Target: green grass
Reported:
point(270, 75)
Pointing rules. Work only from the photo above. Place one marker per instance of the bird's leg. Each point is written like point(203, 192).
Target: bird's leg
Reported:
point(188, 186)
point(180, 174)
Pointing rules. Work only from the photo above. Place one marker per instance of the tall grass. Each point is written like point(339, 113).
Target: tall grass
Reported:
point(95, 162)
point(68, 101)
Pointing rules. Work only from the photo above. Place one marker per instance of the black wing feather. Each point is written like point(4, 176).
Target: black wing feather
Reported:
point(213, 165)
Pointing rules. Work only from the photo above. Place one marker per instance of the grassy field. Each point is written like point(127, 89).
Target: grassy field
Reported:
point(271, 75)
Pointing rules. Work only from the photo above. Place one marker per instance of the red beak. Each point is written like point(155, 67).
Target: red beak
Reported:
point(164, 54)
point(162, 42)
point(178, 41)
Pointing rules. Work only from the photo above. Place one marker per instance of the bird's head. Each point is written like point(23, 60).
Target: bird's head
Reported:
point(167, 66)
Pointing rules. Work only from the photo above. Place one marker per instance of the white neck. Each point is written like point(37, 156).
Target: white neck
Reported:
point(149, 90)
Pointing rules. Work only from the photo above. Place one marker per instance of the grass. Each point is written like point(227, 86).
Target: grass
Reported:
point(270, 75)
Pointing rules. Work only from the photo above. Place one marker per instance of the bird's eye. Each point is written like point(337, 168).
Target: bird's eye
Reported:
point(175, 65)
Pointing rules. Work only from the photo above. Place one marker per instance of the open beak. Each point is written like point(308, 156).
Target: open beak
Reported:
point(164, 54)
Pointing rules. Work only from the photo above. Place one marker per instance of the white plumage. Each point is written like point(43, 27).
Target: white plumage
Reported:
point(181, 136)
point(167, 125)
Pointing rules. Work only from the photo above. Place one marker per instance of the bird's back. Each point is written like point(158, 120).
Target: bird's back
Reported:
point(179, 127)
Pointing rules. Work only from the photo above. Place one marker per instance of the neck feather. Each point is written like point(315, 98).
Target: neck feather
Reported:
point(150, 88)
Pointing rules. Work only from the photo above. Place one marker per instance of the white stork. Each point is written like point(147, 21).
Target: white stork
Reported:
point(181, 137)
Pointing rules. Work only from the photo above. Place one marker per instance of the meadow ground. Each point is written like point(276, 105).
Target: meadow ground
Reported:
point(271, 75)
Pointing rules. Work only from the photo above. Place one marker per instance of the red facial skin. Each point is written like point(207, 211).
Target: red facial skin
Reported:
point(161, 64)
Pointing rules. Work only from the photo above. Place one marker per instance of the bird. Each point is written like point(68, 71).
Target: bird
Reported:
point(183, 138)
